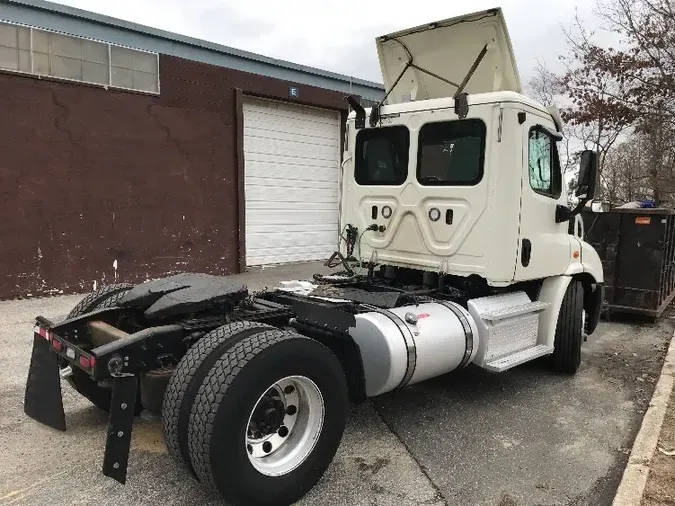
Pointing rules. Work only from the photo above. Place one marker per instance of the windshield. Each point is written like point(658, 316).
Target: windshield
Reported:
point(382, 156)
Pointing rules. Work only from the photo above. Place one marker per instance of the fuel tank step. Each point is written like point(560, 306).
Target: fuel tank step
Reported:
point(507, 362)
point(517, 310)
point(508, 324)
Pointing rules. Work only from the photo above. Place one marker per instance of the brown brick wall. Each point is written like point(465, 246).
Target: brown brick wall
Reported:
point(89, 176)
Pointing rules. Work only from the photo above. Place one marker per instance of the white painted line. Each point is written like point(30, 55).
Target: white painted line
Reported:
point(635, 475)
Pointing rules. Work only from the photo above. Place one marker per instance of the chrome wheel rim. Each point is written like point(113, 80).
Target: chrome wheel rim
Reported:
point(284, 425)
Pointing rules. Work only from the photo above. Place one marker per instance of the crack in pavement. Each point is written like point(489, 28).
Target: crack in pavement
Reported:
point(439, 495)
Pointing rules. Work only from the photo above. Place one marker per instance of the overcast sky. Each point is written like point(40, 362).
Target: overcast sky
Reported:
point(339, 35)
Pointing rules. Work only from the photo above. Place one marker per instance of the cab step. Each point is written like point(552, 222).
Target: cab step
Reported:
point(508, 324)
point(520, 357)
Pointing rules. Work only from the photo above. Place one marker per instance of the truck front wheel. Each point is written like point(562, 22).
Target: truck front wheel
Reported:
point(268, 419)
point(569, 331)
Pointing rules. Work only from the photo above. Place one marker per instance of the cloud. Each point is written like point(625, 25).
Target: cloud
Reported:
point(339, 36)
point(231, 26)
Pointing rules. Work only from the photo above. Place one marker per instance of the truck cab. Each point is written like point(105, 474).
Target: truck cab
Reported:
point(458, 172)
point(458, 251)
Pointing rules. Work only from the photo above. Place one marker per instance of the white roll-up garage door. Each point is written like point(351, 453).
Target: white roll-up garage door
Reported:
point(291, 165)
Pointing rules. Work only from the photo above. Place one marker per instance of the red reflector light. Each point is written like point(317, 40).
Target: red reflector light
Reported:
point(87, 362)
point(57, 345)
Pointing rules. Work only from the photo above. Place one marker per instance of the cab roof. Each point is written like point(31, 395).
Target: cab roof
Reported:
point(494, 97)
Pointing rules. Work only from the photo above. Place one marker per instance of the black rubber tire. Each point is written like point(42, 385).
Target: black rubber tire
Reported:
point(106, 296)
point(566, 356)
point(187, 378)
point(220, 413)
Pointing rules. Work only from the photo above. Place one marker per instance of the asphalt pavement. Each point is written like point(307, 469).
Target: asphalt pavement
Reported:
point(526, 437)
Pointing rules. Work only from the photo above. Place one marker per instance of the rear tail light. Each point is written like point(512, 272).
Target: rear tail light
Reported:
point(87, 362)
point(43, 332)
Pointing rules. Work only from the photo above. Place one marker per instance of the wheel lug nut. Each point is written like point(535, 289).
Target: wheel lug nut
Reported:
point(291, 410)
point(283, 431)
point(267, 447)
point(289, 389)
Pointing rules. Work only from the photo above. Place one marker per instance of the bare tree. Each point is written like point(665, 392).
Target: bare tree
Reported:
point(645, 66)
point(620, 101)
point(598, 118)
point(545, 86)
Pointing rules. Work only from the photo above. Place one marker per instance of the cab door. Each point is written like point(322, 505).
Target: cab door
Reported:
point(544, 247)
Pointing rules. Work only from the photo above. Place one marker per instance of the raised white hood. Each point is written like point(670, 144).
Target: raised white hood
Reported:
point(449, 48)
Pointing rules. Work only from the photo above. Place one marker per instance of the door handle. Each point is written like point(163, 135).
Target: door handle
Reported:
point(526, 252)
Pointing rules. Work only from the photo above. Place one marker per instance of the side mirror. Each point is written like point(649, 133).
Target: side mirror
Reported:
point(588, 174)
point(588, 183)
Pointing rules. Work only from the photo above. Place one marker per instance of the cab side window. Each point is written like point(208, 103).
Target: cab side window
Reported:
point(544, 165)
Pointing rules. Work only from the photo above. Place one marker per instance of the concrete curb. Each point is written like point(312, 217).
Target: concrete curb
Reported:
point(635, 475)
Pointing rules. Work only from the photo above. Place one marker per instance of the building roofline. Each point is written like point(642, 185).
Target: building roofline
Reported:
point(73, 12)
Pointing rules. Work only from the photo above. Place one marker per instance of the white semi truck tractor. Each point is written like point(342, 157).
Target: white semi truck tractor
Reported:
point(457, 248)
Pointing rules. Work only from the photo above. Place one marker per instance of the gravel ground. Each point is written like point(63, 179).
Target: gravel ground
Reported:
point(522, 438)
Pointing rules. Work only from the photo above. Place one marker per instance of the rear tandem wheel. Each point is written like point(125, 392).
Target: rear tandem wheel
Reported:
point(187, 378)
point(268, 418)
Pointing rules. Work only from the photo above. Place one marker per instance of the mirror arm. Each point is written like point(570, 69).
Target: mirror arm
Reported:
point(563, 213)
point(360, 121)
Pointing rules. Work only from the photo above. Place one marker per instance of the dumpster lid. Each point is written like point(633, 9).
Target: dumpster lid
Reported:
point(643, 210)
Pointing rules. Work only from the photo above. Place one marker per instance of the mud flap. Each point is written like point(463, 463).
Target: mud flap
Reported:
point(42, 400)
point(118, 440)
point(593, 301)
